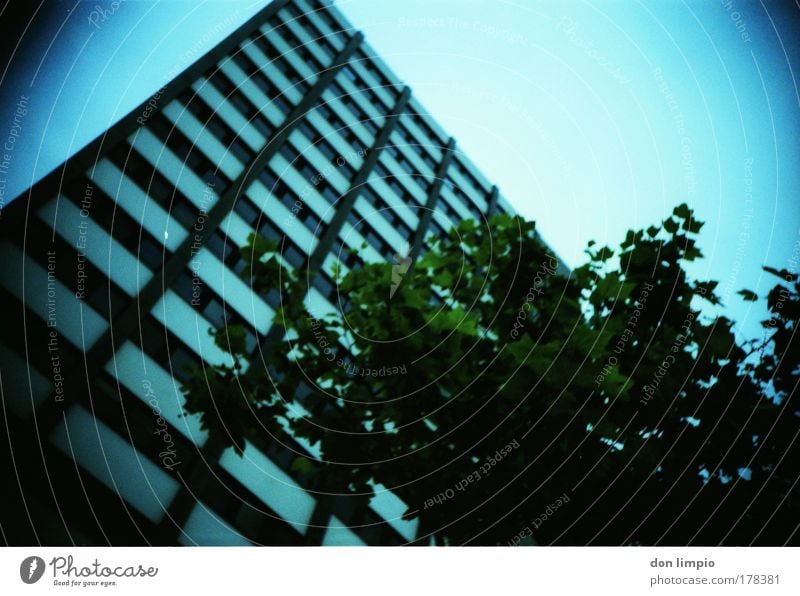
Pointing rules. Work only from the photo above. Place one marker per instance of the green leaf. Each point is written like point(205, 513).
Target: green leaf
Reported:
point(784, 274)
point(708, 290)
point(682, 211)
point(692, 253)
point(610, 287)
point(692, 225)
point(454, 320)
point(303, 465)
point(670, 225)
point(574, 357)
point(629, 237)
point(748, 295)
point(444, 279)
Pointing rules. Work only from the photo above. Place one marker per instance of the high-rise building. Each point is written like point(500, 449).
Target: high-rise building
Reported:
point(116, 265)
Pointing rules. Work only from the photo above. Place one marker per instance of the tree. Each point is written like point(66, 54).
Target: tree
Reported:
point(505, 399)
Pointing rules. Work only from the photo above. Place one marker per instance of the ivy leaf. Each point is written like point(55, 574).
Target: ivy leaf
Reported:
point(682, 211)
point(443, 279)
point(692, 225)
point(303, 465)
point(783, 273)
point(455, 320)
point(748, 295)
point(580, 357)
point(692, 253)
point(629, 237)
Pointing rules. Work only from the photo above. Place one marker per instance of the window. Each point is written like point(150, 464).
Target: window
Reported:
point(241, 151)
point(222, 83)
point(243, 105)
point(354, 220)
point(268, 179)
point(269, 231)
point(223, 248)
point(327, 151)
point(313, 223)
point(381, 171)
point(264, 127)
point(288, 152)
point(246, 210)
point(407, 167)
point(371, 198)
point(308, 131)
point(324, 111)
point(348, 72)
point(107, 299)
point(397, 187)
point(154, 338)
point(370, 126)
point(150, 252)
point(417, 147)
point(181, 210)
point(180, 360)
point(329, 193)
point(324, 285)
point(214, 312)
point(427, 130)
point(294, 256)
point(282, 104)
point(368, 65)
point(267, 48)
point(327, 47)
point(353, 107)
point(186, 152)
point(352, 139)
point(128, 232)
point(256, 76)
point(373, 239)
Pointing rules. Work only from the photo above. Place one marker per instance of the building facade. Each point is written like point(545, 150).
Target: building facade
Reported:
point(116, 265)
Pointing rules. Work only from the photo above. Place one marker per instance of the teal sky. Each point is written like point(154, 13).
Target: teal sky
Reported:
point(597, 117)
point(592, 118)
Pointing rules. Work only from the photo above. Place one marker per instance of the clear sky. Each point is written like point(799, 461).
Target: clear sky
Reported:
point(83, 69)
point(592, 118)
point(597, 117)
